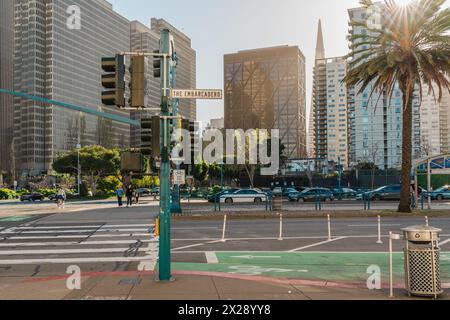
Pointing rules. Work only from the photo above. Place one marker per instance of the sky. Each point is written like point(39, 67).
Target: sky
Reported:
point(217, 27)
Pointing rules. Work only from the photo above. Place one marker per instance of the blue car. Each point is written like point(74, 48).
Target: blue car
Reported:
point(443, 193)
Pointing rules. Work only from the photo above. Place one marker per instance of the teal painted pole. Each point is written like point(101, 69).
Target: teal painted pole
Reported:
point(176, 204)
point(164, 205)
point(339, 173)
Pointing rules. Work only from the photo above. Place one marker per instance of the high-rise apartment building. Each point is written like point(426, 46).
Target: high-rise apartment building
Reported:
point(187, 65)
point(328, 129)
point(265, 89)
point(375, 121)
point(59, 62)
point(444, 124)
point(6, 82)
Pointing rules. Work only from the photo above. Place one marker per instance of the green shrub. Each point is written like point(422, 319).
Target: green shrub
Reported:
point(109, 185)
point(7, 194)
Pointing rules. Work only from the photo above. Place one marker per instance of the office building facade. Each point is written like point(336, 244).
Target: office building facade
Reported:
point(6, 82)
point(186, 68)
point(64, 64)
point(265, 89)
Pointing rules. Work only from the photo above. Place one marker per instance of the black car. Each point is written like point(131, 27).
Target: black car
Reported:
point(312, 194)
point(32, 197)
point(344, 193)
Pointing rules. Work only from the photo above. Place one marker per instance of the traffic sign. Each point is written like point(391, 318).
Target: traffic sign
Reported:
point(179, 177)
point(197, 94)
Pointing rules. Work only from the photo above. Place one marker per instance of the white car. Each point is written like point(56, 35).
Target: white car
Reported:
point(244, 196)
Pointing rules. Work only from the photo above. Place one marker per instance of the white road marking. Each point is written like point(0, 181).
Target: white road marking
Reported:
point(250, 257)
point(372, 225)
point(211, 257)
point(72, 260)
point(68, 251)
point(81, 236)
point(317, 244)
point(77, 231)
point(85, 243)
point(101, 226)
point(196, 228)
point(197, 245)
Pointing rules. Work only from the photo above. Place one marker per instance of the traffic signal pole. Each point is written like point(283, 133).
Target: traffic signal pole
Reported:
point(164, 207)
point(176, 205)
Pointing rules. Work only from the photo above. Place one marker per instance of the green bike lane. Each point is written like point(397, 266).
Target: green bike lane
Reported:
point(352, 267)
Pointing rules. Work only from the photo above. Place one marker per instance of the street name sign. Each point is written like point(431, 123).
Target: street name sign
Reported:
point(179, 177)
point(207, 94)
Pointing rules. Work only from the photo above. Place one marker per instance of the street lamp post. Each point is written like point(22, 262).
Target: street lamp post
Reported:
point(78, 169)
point(339, 173)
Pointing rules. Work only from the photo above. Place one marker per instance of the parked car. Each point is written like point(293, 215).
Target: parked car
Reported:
point(243, 196)
point(391, 192)
point(344, 193)
point(155, 191)
point(144, 192)
point(443, 193)
point(216, 197)
point(35, 196)
point(312, 194)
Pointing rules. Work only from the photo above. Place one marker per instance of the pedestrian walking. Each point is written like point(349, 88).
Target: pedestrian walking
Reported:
point(120, 193)
point(129, 193)
point(136, 196)
point(61, 199)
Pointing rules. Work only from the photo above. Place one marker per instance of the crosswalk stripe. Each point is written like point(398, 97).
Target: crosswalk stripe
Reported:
point(86, 243)
point(74, 260)
point(81, 236)
point(91, 226)
point(43, 241)
point(74, 231)
point(69, 251)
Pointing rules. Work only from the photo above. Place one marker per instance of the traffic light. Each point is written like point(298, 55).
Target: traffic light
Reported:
point(114, 81)
point(137, 83)
point(157, 65)
point(150, 136)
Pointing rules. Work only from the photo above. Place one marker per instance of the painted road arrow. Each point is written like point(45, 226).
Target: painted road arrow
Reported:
point(256, 257)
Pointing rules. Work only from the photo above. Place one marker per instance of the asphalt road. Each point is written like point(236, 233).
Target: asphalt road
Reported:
point(116, 240)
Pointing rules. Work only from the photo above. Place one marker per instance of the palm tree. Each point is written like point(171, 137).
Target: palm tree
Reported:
point(409, 47)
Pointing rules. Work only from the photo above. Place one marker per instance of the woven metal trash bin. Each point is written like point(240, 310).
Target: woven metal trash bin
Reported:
point(422, 261)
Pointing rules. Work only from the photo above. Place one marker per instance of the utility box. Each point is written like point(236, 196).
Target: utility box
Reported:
point(422, 261)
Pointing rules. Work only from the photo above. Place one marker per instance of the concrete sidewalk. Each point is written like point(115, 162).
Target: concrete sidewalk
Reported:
point(143, 286)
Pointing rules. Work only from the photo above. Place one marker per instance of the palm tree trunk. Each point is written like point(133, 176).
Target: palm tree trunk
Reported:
point(405, 195)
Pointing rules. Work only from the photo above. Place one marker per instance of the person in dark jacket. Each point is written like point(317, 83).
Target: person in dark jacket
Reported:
point(129, 193)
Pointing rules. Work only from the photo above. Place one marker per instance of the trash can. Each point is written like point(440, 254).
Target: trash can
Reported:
point(422, 261)
point(277, 201)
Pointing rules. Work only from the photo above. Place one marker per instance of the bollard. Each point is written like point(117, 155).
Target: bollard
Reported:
point(215, 203)
point(280, 238)
point(329, 227)
point(392, 237)
point(365, 202)
point(157, 227)
point(422, 201)
point(391, 280)
point(379, 231)
point(224, 228)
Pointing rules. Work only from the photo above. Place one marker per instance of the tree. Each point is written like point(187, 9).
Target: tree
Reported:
point(95, 162)
point(410, 47)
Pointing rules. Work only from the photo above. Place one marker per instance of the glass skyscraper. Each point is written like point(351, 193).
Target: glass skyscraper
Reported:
point(265, 89)
point(6, 82)
point(61, 63)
